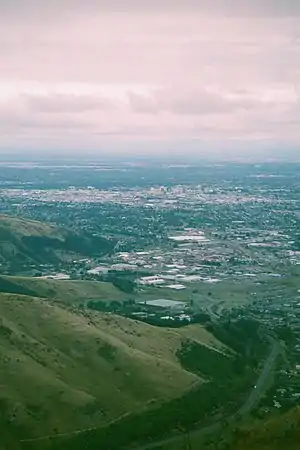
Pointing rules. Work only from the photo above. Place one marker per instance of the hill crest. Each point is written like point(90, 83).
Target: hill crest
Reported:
point(90, 366)
point(25, 245)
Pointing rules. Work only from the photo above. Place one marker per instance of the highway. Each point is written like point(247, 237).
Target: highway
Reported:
point(262, 382)
point(252, 400)
point(256, 393)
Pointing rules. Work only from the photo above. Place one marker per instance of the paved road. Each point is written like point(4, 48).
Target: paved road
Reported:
point(252, 400)
point(262, 381)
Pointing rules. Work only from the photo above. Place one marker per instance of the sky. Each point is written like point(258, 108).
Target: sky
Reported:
point(198, 76)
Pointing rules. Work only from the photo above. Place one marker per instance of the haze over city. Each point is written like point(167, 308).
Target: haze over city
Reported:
point(149, 224)
point(130, 77)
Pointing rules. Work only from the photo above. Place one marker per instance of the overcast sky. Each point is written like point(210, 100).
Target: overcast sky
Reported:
point(129, 74)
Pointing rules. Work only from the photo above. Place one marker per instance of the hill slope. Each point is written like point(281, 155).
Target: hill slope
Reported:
point(282, 431)
point(69, 292)
point(64, 370)
point(29, 243)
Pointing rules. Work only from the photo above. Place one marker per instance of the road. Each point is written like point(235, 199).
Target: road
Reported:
point(252, 400)
point(262, 381)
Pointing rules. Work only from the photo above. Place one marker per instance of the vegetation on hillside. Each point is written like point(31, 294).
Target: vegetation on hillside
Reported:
point(220, 395)
point(68, 292)
point(276, 433)
point(67, 369)
point(29, 243)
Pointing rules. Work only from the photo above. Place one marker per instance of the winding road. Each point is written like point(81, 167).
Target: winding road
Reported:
point(252, 400)
point(262, 382)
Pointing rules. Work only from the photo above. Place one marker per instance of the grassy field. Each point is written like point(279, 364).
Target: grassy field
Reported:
point(280, 431)
point(63, 370)
point(221, 295)
point(276, 433)
point(76, 292)
point(79, 292)
point(69, 292)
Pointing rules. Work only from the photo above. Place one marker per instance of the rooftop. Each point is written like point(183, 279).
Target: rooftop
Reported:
point(164, 303)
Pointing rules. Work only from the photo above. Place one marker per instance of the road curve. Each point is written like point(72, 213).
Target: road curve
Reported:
point(252, 400)
point(262, 382)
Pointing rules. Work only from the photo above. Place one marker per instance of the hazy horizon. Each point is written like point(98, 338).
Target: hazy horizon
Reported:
point(152, 157)
point(191, 78)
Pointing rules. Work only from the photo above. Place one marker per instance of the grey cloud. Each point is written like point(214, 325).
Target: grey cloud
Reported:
point(67, 103)
point(191, 102)
point(18, 116)
point(164, 74)
point(224, 7)
point(15, 123)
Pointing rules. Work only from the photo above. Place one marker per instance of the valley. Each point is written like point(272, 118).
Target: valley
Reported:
point(142, 310)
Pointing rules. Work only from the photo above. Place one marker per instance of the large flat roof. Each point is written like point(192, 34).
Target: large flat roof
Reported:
point(163, 303)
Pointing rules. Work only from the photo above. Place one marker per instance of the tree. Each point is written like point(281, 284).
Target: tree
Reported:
point(124, 285)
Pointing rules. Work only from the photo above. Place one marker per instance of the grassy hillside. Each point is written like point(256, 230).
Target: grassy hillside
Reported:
point(278, 432)
point(64, 370)
point(282, 431)
point(26, 227)
point(69, 292)
point(26, 244)
point(72, 292)
point(77, 291)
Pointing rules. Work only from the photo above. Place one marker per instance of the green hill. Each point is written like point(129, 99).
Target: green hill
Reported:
point(276, 433)
point(26, 244)
point(63, 369)
point(68, 292)
point(281, 430)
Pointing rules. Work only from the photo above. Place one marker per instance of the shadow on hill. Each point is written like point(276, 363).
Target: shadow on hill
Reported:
point(220, 396)
point(27, 244)
point(9, 287)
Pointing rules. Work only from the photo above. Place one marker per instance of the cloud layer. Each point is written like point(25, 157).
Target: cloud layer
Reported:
point(85, 74)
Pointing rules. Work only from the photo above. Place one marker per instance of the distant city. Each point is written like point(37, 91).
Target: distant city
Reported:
point(189, 243)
